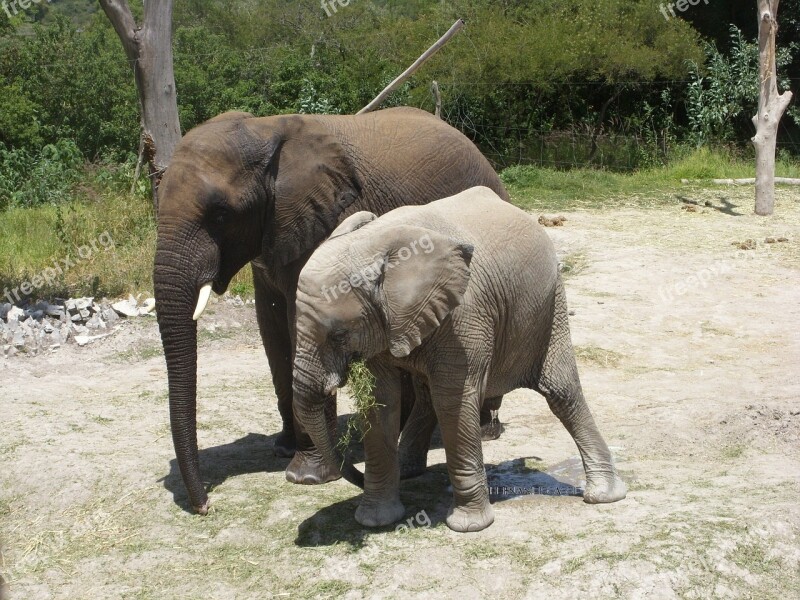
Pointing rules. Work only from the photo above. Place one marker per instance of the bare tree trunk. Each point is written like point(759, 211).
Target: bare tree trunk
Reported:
point(771, 107)
point(149, 50)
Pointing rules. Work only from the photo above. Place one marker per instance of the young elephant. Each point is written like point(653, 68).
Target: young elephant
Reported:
point(465, 294)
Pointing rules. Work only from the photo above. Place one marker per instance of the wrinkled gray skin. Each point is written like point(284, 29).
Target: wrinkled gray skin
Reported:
point(268, 190)
point(465, 294)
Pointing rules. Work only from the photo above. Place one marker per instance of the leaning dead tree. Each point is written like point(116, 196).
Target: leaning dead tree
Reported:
point(398, 81)
point(149, 49)
point(771, 107)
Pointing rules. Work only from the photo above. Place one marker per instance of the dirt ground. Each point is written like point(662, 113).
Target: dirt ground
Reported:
point(689, 351)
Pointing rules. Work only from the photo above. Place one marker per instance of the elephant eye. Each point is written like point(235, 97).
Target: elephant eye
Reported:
point(338, 338)
point(218, 214)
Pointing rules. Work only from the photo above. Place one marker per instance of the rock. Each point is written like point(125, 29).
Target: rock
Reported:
point(76, 318)
point(126, 308)
point(70, 305)
point(9, 351)
point(82, 340)
point(110, 316)
point(53, 310)
point(36, 315)
point(96, 322)
point(85, 313)
point(55, 339)
point(47, 326)
point(83, 303)
point(4, 308)
point(15, 314)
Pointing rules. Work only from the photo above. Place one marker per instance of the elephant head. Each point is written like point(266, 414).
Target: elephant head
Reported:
point(237, 188)
point(367, 290)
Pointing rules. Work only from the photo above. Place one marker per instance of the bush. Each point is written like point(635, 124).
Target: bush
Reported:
point(28, 179)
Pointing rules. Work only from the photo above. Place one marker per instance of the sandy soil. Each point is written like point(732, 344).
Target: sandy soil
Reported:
point(689, 352)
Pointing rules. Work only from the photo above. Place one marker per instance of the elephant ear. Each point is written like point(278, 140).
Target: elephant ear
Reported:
point(424, 278)
point(314, 182)
point(353, 222)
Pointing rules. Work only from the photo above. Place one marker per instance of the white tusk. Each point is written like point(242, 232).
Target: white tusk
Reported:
point(202, 300)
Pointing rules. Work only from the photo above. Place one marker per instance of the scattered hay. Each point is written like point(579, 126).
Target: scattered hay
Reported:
point(573, 264)
point(598, 356)
point(772, 240)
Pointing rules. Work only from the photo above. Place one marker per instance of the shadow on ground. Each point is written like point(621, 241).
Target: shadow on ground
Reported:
point(427, 495)
point(430, 495)
point(252, 453)
point(726, 206)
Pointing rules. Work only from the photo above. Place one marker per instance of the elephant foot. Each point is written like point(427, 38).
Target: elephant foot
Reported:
point(463, 519)
point(491, 427)
point(371, 514)
point(285, 444)
point(310, 469)
point(602, 489)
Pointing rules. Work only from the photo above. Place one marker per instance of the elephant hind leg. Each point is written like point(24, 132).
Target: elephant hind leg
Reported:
point(558, 381)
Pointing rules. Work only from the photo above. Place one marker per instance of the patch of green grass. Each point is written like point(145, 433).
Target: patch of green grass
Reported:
point(141, 352)
point(753, 557)
point(598, 356)
point(481, 551)
point(109, 240)
point(332, 588)
point(242, 284)
point(733, 451)
point(537, 188)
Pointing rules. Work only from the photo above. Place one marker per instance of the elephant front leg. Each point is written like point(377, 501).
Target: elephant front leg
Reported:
point(274, 329)
point(459, 419)
point(272, 311)
point(380, 504)
point(417, 431)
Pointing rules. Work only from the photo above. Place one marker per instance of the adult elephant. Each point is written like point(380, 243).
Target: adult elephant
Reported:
point(268, 191)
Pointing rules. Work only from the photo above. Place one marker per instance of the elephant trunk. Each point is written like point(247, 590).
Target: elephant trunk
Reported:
point(176, 293)
point(310, 408)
